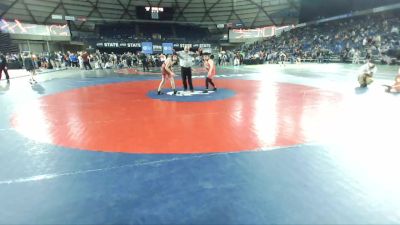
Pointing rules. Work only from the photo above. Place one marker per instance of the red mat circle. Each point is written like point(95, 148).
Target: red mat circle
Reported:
point(120, 117)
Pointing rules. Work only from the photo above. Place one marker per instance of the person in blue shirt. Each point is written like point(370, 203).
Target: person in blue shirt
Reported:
point(74, 60)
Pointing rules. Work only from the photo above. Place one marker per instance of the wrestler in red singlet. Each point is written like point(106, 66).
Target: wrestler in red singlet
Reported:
point(167, 73)
point(395, 88)
point(164, 72)
point(396, 85)
point(211, 72)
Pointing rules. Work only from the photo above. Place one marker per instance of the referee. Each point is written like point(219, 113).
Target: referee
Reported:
point(186, 63)
point(3, 67)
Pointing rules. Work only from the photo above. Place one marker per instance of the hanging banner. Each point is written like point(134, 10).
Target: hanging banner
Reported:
point(118, 45)
point(167, 48)
point(152, 48)
point(157, 48)
point(205, 45)
point(17, 27)
point(133, 45)
point(185, 45)
point(240, 35)
point(111, 44)
point(147, 47)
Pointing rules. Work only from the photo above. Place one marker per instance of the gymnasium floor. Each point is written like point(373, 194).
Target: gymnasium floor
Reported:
point(299, 144)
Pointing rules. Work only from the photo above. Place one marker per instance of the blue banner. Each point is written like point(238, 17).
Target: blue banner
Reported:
point(147, 47)
point(167, 48)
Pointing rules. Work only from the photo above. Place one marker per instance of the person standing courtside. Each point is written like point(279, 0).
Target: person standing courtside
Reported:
point(86, 61)
point(29, 65)
point(3, 67)
point(211, 72)
point(145, 62)
point(186, 63)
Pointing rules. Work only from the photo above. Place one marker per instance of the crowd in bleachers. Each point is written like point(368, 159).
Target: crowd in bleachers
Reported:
point(53, 60)
point(154, 32)
point(87, 61)
point(349, 40)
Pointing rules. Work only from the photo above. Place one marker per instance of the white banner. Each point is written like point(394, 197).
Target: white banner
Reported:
point(16, 27)
point(240, 35)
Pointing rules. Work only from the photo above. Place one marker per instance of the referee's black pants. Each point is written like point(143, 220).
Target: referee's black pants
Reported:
point(3, 68)
point(187, 77)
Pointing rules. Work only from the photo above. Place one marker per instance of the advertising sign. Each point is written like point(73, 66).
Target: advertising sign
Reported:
point(147, 47)
point(157, 48)
point(17, 27)
point(167, 48)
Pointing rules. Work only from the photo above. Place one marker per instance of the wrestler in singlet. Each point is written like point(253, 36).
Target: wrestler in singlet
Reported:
point(211, 71)
point(395, 88)
point(396, 85)
point(164, 71)
point(167, 73)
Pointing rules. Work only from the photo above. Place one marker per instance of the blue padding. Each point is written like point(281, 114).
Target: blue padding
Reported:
point(220, 94)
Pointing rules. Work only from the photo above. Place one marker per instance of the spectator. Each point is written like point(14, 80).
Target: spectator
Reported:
point(3, 67)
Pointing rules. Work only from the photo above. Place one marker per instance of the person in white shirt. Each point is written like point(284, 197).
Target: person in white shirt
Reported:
point(236, 61)
point(365, 41)
point(282, 58)
point(356, 57)
point(366, 73)
point(80, 59)
point(186, 63)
